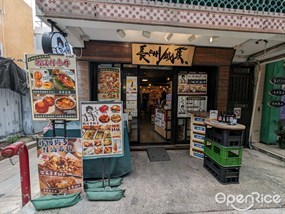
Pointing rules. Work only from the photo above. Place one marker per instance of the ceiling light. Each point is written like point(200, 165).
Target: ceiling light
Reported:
point(146, 34)
point(121, 33)
point(144, 80)
point(192, 38)
point(214, 38)
point(168, 36)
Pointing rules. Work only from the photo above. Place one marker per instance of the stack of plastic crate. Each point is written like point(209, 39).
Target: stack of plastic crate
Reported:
point(223, 154)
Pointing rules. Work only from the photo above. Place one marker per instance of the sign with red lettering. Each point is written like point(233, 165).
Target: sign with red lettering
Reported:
point(53, 86)
point(60, 165)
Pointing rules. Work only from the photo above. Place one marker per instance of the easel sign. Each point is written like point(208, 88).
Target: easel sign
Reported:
point(102, 129)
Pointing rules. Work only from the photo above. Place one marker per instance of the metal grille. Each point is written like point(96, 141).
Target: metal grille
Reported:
point(277, 6)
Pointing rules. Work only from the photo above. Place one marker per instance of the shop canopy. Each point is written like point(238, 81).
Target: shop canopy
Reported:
point(12, 76)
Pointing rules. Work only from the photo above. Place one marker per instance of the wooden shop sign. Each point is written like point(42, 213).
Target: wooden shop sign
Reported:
point(169, 55)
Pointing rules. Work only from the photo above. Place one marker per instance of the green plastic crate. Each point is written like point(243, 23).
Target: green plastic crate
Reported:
point(225, 156)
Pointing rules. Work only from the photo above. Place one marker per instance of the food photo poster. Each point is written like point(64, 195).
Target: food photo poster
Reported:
point(53, 86)
point(60, 165)
point(102, 129)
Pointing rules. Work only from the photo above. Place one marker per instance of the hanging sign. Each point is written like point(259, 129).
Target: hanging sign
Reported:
point(277, 92)
point(170, 55)
point(55, 43)
point(276, 103)
point(102, 129)
point(53, 86)
point(278, 81)
point(109, 87)
point(60, 165)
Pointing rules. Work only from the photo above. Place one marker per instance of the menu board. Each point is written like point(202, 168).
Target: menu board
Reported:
point(188, 104)
point(53, 86)
point(192, 84)
point(102, 129)
point(60, 165)
point(109, 87)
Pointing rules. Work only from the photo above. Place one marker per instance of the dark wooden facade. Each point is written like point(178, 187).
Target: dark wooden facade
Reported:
point(115, 52)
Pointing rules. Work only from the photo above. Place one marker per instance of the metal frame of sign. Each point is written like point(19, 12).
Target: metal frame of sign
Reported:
point(102, 129)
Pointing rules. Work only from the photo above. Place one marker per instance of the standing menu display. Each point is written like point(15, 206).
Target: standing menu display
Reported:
point(53, 86)
point(102, 129)
point(60, 165)
point(109, 84)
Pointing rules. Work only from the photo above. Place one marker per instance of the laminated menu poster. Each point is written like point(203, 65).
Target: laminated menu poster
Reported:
point(53, 86)
point(192, 84)
point(188, 104)
point(60, 165)
point(109, 87)
point(102, 129)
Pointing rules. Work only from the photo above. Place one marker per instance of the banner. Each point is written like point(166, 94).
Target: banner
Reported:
point(60, 165)
point(192, 84)
point(188, 104)
point(102, 129)
point(109, 84)
point(53, 86)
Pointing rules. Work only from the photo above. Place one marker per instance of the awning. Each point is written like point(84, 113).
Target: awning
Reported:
point(12, 76)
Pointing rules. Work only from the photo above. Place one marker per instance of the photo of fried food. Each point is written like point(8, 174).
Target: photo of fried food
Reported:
point(115, 108)
point(49, 100)
point(104, 118)
point(116, 118)
point(88, 144)
point(60, 183)
point(107, 141)
point(107, 150)
point(97, 143)
point(98, 150)
point(89, 134)
point(61, 164)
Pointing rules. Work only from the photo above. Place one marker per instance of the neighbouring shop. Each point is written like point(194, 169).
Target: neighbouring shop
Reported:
point(158, 92)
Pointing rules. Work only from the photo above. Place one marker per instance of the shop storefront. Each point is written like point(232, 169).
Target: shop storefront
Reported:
point(158, 96)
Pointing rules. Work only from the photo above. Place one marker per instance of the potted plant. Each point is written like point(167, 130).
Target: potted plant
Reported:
point(281, 133)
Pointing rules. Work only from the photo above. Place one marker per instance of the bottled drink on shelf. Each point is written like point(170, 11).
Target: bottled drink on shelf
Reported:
point(220, 117)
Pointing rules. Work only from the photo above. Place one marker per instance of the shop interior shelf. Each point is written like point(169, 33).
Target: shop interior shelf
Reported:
point(225, 137)
point(225, 175)
point(225, 156)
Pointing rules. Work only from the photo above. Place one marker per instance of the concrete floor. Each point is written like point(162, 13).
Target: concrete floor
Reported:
point(182, 185)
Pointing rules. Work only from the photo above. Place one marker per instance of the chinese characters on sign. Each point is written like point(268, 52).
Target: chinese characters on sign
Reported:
point(53, 86)
point(144, 54)
point(102, 129)
point(60, 165)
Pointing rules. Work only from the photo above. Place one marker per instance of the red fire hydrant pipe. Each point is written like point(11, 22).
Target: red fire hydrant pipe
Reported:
point(21, 149)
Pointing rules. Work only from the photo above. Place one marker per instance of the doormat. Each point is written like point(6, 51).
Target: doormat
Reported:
point(157, 154)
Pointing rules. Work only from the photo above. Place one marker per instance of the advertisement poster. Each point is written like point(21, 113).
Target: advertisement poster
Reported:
point(102, 129)
point(192, 84)
point(109, 87)
point(53, 86)
point(60, 165)
point(188, 104)
point(131, 84)
point(132, 105)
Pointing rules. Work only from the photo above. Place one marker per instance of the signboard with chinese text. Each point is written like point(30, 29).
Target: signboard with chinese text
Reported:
point(192, 84)
point(102, 129)
point(170, 55)
point(188, 104)
point(109, 87)
point(60, 165)
point(53, 86)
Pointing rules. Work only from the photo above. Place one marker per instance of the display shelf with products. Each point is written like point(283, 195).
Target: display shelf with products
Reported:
point(162, 124)
point(197, 136)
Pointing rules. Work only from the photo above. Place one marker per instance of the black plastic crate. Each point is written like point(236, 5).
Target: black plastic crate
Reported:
point(225, 175)
point(225, 137)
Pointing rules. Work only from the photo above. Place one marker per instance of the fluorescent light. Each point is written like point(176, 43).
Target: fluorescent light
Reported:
point(214, 38)
point(146, 34)
point(121, 33)
point(168, 36)
point(144, 80)
point(192, 38)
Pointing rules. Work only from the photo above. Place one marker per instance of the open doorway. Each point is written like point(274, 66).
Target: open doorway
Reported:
point(155, 104)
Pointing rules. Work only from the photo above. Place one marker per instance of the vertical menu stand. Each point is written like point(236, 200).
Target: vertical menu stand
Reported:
point(103, 173)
